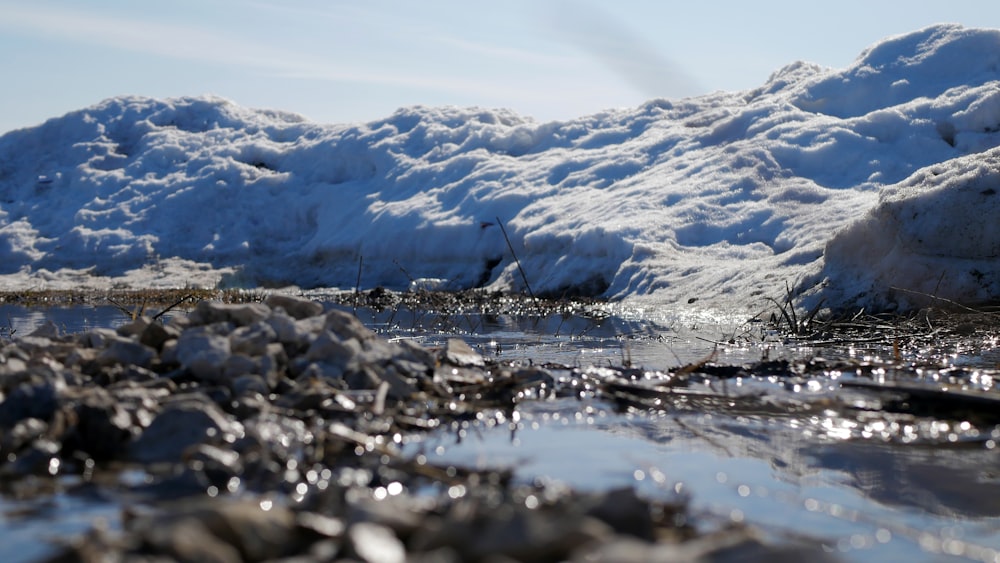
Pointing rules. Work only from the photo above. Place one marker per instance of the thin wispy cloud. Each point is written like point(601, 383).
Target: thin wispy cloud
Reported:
point(500, 52)
point(155, 38)
point(210, 46)
point(336, 60)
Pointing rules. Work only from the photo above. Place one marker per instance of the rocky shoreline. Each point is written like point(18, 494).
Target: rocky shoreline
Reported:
point(273, 431)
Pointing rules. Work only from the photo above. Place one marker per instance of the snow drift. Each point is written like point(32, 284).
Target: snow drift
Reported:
point(934, 235)
point(886, 167)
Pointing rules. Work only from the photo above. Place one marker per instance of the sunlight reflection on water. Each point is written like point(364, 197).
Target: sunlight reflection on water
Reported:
point(866, 500)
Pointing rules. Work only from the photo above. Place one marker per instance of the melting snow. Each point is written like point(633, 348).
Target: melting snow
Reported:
point(863, 186)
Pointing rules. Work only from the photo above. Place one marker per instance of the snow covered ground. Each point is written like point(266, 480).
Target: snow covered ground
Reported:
point(863, 186)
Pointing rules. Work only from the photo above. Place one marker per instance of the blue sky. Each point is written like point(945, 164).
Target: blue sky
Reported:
point(345, 61)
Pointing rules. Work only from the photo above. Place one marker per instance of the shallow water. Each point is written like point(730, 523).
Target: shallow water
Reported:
point(600, 339)
point(865, 500)
point(28, 527)
point(19, 320)
point(854, 483)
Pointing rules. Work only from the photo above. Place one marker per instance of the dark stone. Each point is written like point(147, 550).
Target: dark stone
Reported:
point(178, 428)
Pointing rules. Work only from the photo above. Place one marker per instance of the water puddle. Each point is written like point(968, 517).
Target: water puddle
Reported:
point(863, 499)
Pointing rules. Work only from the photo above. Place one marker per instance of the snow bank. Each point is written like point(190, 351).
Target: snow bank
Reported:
point(934, 235)
point(719, 200)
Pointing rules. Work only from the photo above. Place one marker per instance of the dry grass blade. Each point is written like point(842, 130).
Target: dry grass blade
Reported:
point(937, 299)
point(812, 312)
point(784, 314)
point(173, 306)
point(132, 314)
point(787, 310)
point(516, 261)
point(791, 307)
point(693, 368)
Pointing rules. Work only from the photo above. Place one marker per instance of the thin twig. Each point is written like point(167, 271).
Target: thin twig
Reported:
point(405, 273)
point(171, 307)
point(936, 298)
point(357, 284)
point(812, 313)
point(124, 310)
point(516, 261)
point(784, 313)
point(791, 307)
point(938, 284)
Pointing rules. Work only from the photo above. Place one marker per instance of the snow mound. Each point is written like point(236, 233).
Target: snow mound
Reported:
point(720, 199)
point(924, 64)
point(933, 236)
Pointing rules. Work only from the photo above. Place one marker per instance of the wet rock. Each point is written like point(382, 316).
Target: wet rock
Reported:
point(127, 353)
point(373, 543)
point(249, 383)
point(186, 539)
point(315, 393)
point(37, 397)
point(221, 467)
point(376, 351)
point(296, 307)
point(738, 544)
point(103, 427)
point(628, 550)
point(48, 329)
point(138, 374)
point(11, 363)
point(204, 353)
point(252, 340)
point(179, 427)
point(35, 344)
point(400, 386)
point(260, 530)
point(168, 355)
point(756, 551)
point(330, 349)
point(95, 544)
point(347, 326)
point(625, 512)
point(221, 395)
point(321, 524)
point(41, 457)
point(365, 377)
point(238, 365)
point(22, 434)
point(408, 350)
point(458, 353)
point(304, 369)
point(84, 359)
point(134, 328)
point(451, 375)
point(243, 314)
point(272, 364)
point(155, 335)
point(286, 330)
point(514, 531)
point(402, 514)
point(99, 337)
point(414, 371)
point(248, 405)
point(297, 336)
